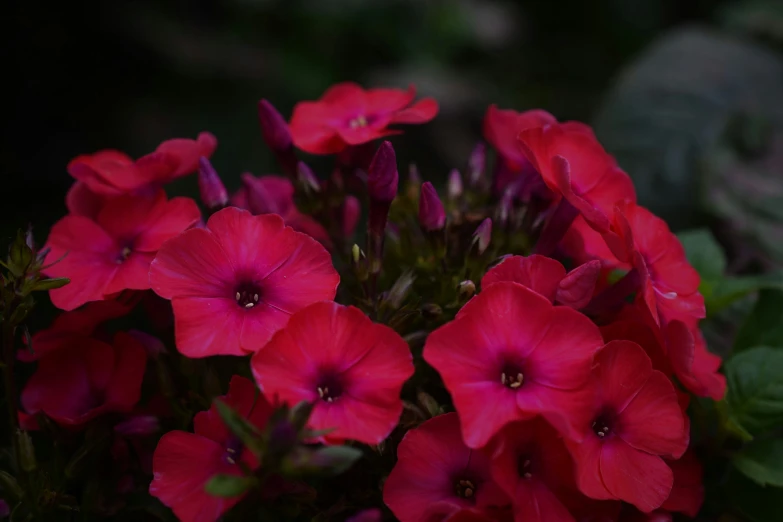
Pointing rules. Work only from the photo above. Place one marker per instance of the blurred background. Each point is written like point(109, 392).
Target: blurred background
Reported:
point(687, 94)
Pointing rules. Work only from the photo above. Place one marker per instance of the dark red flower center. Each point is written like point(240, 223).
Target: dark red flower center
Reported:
point(233, 450)
point(524, 466)
point(465, 488)
point(248, 295)
point(330, 388)
point(602, 425)
point(511, 376)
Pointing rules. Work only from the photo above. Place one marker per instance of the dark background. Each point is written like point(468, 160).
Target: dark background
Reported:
point(129, 74)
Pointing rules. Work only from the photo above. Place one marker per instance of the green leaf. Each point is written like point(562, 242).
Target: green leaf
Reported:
point(722, 293)
point(229, 485)
point(241, 427)
point(335, 459)
point(704, 253)
point(755, 389)
point(19, 255)
point(50, 284)
point(764, 325)
point(762, 461)
point(752, 502)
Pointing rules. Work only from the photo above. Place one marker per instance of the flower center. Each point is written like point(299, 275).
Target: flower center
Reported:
point(359, 121)
point(511, 376)
point(602, 426)
point(524, 467)
point(330, 388)
point(123, 255)
point(247, 296)
point(233, 449)
point(465, 488)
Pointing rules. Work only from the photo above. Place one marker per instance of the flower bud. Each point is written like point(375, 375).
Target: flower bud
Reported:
point(307, 178)
point(432, 215)
point(352, 211)
point(213, 192)
point(483, 235)
point(277, 137)
point(356, 253)
point(140, 425)
point(455, 184)
point(476, 164)
point(466, 289)
point(382, 177)
point(431, 310)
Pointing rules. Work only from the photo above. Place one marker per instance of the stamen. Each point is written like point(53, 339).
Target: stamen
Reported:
point(518, 382)
point(239, 296)
point(503, 378)
point(465, 489)
point(255, 297)
point(527, 475)
point(249, 305)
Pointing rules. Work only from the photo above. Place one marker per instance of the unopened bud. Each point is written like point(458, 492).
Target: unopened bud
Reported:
point(400, 289)
point(382, 176)
point(356, 253)
point(483, 235)
point(140, 425)
point(307, 178)
point(274, 128)
point(26, 451)
point(211, 189)
point(429, 403)
point(467, 289)
point(432, 215)
point(455, 184)
point(352, 211)
point(476, 164)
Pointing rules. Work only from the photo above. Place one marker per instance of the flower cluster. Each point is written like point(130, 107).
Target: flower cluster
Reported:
point(523, 348)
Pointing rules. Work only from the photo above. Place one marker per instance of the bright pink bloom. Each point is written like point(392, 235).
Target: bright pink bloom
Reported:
point(72, 325)
point(511, 355)
point(275, 195)
point(436, 475)
point(532, 466)
point(669, 284)
point(687, 493)
point(235, 282)
point(501, 128)
point(184, 462)
point(85, 378)
point(548, 277)
point(114, 252)
point(575, 166)
point(112, 173)
point(347, 115)
point(695, 366)
point(351, 367)
point(634, 420)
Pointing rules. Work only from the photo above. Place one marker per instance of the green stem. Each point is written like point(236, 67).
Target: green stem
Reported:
point(10, 391)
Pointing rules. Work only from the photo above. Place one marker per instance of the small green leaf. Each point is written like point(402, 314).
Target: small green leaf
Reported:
point(19, 255)
point(10, 487)
point(241, 427)
point(335, 459)
point(762, 461)
point(724, 292)
point(229, 485)
point(755, 389)
point(50, 284)
point(704, 253)
point(764, 325)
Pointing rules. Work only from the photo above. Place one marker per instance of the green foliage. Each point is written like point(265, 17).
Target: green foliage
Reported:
point(764, 325)
point(762, 461)
point(230, 485)
point(755, 389)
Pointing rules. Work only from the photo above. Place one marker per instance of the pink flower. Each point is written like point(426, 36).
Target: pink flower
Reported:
point(532, 466)
point(634, 420)
point(275, 195)
point(437, 475)
point(511, 355)
point(114, 252)
point(501, 128)
point(351, 367)
point(184, 462)
point(348, 115)
point(85, 378)
point(695, 366)
point(432, 215)
point(687, 493)
point(234, 283)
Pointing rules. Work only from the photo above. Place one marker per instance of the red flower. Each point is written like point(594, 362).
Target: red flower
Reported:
point(548, 277)
point(669, 284)
point(436, 475)
point(114, 252)
point(532, 465)
point(687, 493)
point(75, 324)
point(511, 355)
point(236, 282)
point(347, 115)
point(85, 378)
point(501, 128)
point(351, 367)
point(695, 366)
point(275, 195)
point(112, 173)
point(575, 166)
point(634, 420)
point(184, 462)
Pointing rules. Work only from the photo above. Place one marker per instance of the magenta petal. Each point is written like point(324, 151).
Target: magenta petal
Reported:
point(207, 326)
